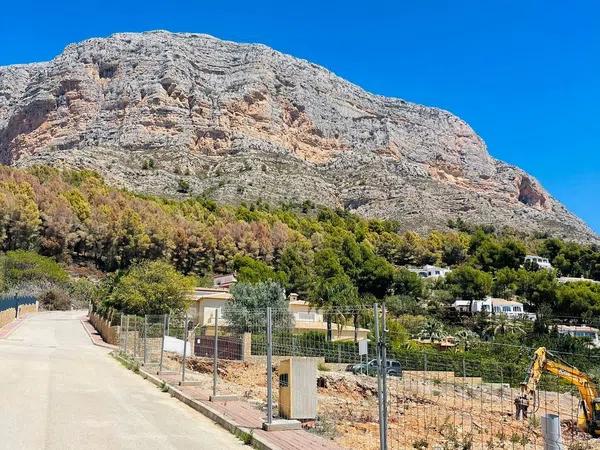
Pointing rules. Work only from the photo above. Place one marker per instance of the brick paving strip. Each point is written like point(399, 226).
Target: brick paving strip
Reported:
point(9, 328)
point(238, 417)
point(243, 415)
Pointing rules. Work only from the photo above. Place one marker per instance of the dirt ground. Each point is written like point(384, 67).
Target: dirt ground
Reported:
point(424, 411)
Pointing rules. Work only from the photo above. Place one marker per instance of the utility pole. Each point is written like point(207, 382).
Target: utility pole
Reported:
point(384, 373)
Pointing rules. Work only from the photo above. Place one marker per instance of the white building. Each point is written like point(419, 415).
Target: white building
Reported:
point(583, 331)
point(543, 263)
point(496, 306)
point(564, 280)
point(428, 271)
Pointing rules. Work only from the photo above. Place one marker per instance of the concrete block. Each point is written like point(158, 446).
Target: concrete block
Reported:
point(282, 425)
point(191, 383)
point(224, 398)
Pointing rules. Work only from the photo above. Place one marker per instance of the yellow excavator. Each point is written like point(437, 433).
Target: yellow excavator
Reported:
point(589, 407)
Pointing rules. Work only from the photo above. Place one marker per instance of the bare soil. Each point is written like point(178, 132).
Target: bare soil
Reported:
point(423, 411)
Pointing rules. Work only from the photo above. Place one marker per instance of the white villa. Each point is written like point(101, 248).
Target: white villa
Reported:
point(581, 331)
point(428, 271)
point(543, 263)
point(510, 308)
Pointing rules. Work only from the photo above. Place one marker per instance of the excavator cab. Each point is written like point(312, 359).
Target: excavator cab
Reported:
point(594, 426)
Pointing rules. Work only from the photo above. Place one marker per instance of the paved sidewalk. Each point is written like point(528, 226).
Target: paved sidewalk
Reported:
point(245, 415)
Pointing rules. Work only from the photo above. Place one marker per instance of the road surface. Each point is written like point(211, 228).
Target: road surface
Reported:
point(59, 391)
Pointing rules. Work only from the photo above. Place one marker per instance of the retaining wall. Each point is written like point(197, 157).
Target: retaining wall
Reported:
point(8, 315)
point(110, 333)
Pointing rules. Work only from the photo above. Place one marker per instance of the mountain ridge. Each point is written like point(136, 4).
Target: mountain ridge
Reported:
point(243, 121)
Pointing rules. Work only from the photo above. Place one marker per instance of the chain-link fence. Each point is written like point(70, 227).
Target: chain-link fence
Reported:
point(432, 399)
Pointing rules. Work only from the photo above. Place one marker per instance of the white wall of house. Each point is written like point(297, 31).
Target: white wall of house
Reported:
point(581, 331)
point(428, 271)
point(544, 263)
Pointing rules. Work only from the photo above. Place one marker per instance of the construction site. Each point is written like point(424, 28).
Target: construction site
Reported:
point(427, 410)
point(430, 403)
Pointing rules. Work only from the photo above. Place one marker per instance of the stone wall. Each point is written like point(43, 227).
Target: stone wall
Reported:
point(110, 333)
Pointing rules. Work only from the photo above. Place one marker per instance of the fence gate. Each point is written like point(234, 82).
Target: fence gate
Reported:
point(230, 347)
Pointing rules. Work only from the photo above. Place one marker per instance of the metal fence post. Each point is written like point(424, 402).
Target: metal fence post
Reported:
point(380, 400)
point(384, 374)
point(269, 367)
point(216, 353)
point(145, 339)
point(185, 338)
point(162, 344)
point(121, 333)
point(126, 334)
point(136, 337)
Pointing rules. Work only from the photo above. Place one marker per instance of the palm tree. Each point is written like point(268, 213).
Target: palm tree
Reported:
point(501, 324)
point(432, 331)
point(465, 338)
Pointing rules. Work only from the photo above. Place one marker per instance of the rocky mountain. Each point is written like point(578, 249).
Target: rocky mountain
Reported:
point(242, 122)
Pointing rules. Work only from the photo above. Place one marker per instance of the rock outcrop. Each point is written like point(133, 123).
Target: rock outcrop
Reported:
point(242, 122)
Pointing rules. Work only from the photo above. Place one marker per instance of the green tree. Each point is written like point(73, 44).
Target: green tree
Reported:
point(501, 324)
point(151, 287)
point(250, 270)
point(246, 312)
point(465, 338)
point(432, 331)
point(537, 287)
point(506, 283)
point(296, 264)
point(468, 283)
point(407, 283)
point(333, 289)
point(376, 277)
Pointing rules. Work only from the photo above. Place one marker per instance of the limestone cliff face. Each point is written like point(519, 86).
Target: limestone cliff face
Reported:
point(242, 122)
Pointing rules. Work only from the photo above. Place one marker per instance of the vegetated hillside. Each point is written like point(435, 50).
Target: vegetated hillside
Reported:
point(168, 113)
point(327, 256)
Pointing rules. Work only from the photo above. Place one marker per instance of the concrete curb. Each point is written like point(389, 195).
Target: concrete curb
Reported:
point(94, 341)
point(229, 424)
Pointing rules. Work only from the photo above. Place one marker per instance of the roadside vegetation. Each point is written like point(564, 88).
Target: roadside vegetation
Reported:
point(152, 250)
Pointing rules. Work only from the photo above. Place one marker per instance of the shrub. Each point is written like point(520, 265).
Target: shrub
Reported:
point(22, 266)
point(55, 300)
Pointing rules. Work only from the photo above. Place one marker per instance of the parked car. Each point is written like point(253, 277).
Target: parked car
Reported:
point(394, 368)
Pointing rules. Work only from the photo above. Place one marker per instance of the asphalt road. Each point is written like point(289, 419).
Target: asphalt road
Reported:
point(59, 391)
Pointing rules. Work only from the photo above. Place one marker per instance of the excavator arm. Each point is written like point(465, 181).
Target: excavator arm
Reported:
point(545, 361)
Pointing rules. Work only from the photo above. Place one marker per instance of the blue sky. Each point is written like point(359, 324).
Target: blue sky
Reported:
point(524, 74)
